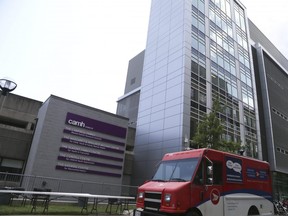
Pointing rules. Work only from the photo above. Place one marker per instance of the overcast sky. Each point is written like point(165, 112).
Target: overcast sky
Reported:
point(79, 49)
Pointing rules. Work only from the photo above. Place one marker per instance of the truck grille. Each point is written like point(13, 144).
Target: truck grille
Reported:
point(152, 200)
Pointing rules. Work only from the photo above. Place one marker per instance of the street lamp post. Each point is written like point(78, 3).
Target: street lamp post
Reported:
point(7, 86)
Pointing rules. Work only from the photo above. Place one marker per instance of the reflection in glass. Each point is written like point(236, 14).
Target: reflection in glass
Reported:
point(176, 170)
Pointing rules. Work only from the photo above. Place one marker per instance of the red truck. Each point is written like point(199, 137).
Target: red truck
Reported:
point(207, 182)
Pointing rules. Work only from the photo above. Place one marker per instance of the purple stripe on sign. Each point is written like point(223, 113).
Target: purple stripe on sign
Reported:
point(74, 169)
point(89, 136)
point(76, 151)
point(93, 163)
point(95, 125)
point(92, 145)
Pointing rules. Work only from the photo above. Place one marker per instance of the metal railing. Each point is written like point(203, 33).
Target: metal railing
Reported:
point(29, 182)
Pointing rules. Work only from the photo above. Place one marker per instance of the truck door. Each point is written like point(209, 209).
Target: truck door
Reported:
point(212, 188)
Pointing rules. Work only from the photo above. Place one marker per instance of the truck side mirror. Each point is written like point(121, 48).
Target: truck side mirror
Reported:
point(210, 181)
point(209, 172)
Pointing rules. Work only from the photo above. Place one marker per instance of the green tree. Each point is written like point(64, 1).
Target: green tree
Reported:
point(210, 130)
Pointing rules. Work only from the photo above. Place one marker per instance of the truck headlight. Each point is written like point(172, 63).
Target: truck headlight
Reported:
point(167, 198)
point(141, 195)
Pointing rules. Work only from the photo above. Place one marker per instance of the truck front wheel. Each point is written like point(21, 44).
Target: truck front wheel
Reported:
point(193, 213)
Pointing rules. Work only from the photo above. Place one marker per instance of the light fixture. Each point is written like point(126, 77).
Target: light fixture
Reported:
point(7, 86)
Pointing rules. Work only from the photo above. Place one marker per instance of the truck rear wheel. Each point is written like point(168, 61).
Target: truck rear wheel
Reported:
point(253, 211)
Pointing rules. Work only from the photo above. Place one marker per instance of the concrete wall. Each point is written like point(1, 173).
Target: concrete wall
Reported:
point(17, 123)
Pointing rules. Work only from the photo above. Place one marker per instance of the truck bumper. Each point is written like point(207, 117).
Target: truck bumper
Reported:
point(142, 212)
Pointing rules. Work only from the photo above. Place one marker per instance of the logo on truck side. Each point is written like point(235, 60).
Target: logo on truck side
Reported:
point(234, 169)
point(215, 196)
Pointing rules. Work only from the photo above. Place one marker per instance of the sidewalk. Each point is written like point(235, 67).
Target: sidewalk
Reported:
point(130, 213)
point(74, 215)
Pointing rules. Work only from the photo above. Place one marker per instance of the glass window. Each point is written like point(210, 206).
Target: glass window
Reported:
point(230, 31)
point(239, 39)
point(202, 48)
point(212, 15)
point(229, 89)
point(198, 179)
point(228, 10)
point(202, 98)
point(218, 21)
point(202, 72)
point(217, 2)
point(220, 61)
point(194, 43)
point(194, 3)
point(251, 101)
point(217, 173)
point(11, 166)
point(249, 82)
point(244, 97)
point(201, 27)
point(237, 18)
point(231, 50)
point(214, 79)
point(245, 45)
point(223, 5)
point(247, 64)
point(234, 92)
point(219, 40)
point(242, 23)
point(176, 170)
point(222, 83)
point(227, 66)
point(194, 67)
point(225, 46)
point(194, 21)
point(224, 26)
point(212, 35)
point(243, 78)
point(12, 163)
point(194, 94)
point(201, 6)
point(233, 70)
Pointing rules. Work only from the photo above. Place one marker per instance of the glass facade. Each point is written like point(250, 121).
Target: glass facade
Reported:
point(224, 64)
point(196, 51)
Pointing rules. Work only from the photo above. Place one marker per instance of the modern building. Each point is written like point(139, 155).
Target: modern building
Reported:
point(196, 51)
point(18, 118)
point(80, 143)
point(128, 104)
point(64, 146)
point(271, 72)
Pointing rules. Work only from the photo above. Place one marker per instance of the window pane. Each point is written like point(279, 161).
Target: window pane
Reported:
point(12, 163)
point(234, 92)
point(201, 6)
point(194, 43)
point(213, 56)
point(202, 48)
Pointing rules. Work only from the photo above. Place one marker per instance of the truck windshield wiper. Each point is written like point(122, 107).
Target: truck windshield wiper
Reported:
point(178, 179)
point(159, 180)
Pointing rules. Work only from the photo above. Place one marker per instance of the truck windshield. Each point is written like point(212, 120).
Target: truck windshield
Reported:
point(176, 170)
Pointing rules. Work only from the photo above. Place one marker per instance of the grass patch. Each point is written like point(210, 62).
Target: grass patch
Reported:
point(54, 209)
